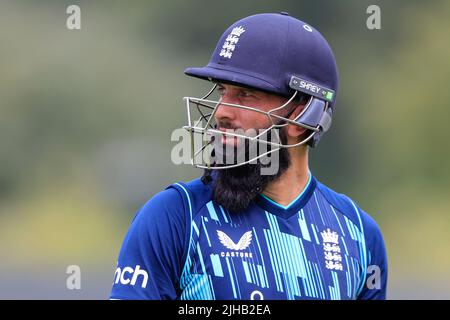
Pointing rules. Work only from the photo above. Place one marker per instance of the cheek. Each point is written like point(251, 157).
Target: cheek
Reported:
point(257, 120)
point(253, 120)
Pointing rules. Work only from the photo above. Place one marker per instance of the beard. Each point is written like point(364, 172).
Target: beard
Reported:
point(236, 188)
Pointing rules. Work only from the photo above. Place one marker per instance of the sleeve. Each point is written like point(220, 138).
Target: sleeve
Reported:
point(151, 258)
point(375, 285)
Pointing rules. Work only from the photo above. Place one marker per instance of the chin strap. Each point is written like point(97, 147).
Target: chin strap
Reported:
point(206, 178)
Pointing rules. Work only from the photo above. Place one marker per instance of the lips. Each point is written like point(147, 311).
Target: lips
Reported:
point(228, 139)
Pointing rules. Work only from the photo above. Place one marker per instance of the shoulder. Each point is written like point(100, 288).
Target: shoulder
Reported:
point(173, 207)
point(161, 214)
point(194, 193)
point(350, 209)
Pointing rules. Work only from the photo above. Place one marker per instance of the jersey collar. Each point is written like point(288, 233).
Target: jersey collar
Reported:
point(294, 207)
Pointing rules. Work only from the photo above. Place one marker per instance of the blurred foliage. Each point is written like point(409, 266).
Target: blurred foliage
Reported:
point(86, 118)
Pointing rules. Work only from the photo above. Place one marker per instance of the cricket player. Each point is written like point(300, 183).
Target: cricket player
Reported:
point(256, 225)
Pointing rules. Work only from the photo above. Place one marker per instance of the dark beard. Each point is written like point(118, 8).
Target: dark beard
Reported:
point(236, 188)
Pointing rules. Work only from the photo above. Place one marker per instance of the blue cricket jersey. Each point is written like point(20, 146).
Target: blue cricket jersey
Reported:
point(182, 245)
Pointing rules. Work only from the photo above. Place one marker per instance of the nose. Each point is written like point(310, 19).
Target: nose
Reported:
point(224, 112)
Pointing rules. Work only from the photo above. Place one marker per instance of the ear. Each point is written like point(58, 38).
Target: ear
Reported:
point(293, 130)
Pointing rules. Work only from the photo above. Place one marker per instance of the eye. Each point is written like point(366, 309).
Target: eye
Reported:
point(220, 91)
point(246, 94)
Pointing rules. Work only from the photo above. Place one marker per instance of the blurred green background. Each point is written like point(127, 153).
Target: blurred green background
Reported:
point(86, 117)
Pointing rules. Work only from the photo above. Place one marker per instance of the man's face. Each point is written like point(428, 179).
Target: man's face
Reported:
point(228, 117)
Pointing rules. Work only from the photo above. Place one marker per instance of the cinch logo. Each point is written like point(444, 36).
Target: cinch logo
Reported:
point(242, 244)
point(123, 276)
